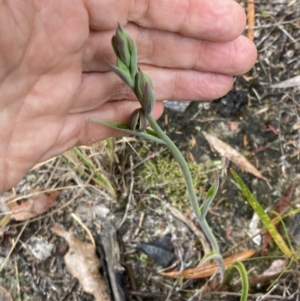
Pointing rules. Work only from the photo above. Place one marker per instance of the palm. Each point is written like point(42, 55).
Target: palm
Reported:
point(54, 79)
point(37, 117)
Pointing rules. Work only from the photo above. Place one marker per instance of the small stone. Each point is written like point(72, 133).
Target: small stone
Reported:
point(40, 248)
point(177, 105)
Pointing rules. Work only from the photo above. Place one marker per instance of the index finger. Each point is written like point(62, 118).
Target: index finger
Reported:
point(213, 20)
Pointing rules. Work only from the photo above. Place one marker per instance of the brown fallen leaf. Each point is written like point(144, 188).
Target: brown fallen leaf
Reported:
point(25, 209)
point(208, 270)
point(83, 263)
point(4, 295)
point(231, 154)
point(276, 268)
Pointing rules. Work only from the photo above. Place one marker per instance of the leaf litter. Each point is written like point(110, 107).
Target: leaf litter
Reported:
point(4, 295)
point(231, 154)
point(25, 209)
point(276, 268)
point(289, 83)
point(40, 248)
point(207, 270)
point(83, 263)
point(278, 60)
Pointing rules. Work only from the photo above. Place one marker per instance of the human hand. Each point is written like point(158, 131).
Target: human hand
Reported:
point(53, 77)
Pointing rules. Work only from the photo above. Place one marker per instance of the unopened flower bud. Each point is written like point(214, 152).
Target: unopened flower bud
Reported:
point(149, 98)
point(121, 45)
point(125, 49)
point(133, 58)
point(144, 91)
point(122, 71)
point(137, 120)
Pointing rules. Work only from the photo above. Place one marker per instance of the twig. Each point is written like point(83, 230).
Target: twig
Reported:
point(13, 246)
point(191, 225)
point(251, 19)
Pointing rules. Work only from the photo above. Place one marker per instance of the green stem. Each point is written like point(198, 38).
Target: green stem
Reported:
point(181, 161)
point(189, 185)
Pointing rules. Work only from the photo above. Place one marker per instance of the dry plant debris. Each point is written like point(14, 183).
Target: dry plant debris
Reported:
point(276, 156)
point(207, 270)
point(36, 205)
point(83, 263)
point(231, 154)
point(4, 295)
point(40, 248)
point(271, 273)
point(178, 214)
point(109, 249)
point(289, 83)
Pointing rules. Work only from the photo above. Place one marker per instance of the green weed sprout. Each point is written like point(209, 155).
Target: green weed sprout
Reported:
point(140, 82)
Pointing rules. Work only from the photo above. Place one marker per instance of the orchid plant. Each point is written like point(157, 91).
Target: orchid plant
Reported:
point(140, 82)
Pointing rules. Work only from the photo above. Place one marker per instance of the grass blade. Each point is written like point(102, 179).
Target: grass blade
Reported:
point(210, 195)
point(239, 266)
point(147, 134)
point(263, 216)
point(100, 179)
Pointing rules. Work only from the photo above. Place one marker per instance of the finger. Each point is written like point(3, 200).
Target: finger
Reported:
point(216, 20)
point(97, 88)
point(79, 129)
point(175, 51)
point(53, 136)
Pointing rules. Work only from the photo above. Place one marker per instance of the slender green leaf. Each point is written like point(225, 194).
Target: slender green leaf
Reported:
point(210, 195)
point(218, 258)
point(286, 232)
point(239, 266)
point(263, 216)
point(133, 59)
point(123, 74)
point(147, 134)
point(110, 148)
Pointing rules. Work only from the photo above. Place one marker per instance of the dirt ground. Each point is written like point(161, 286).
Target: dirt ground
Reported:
point(144, 197)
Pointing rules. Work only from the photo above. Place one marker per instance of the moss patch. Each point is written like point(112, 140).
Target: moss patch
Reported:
point(162, 174)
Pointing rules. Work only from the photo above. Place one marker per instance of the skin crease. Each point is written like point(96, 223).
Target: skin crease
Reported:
point(53, 78)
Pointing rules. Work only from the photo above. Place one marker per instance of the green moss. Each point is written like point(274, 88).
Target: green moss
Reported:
point(163, 174)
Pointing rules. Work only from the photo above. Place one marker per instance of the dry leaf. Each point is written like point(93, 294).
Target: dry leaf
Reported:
point(270, 274)
point(23, 210)
point(276, 267)
point(4, 295)
point(83, 263)
point(231, 154)
point(208, 270)
point(292, 82)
